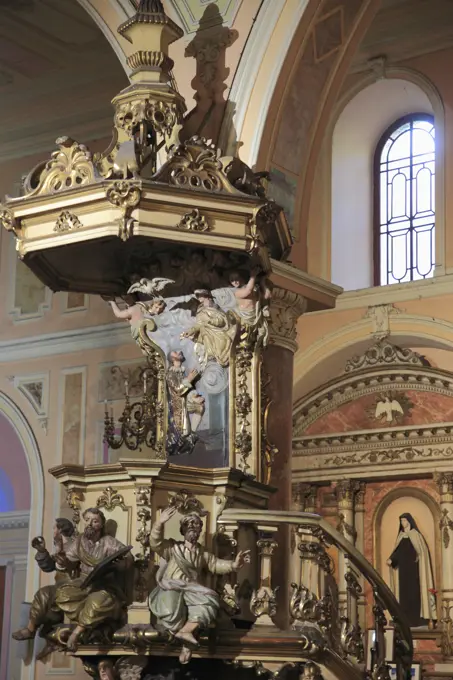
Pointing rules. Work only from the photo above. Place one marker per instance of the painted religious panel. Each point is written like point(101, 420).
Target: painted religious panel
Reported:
point(195, 326)
point(406, 540)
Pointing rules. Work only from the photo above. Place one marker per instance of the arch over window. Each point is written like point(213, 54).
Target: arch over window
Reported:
point(404, 210)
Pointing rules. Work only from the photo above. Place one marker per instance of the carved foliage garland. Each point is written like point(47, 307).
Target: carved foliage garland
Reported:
point(243, 402)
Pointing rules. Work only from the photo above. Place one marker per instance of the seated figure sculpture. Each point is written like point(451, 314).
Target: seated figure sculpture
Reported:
point(103, 601)
point(43, 611)
point(180, 603)
point(87, 605)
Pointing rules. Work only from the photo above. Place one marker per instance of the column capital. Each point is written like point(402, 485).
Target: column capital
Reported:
point(444, 482)
point(304, 496)
point(346, 491)
point(285, 309)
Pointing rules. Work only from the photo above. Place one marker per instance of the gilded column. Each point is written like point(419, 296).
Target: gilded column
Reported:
point(346, 491)
point(278, 366)
point(444, 481)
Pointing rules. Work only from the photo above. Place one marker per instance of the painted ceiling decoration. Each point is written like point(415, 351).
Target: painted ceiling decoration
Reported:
point(390, 408)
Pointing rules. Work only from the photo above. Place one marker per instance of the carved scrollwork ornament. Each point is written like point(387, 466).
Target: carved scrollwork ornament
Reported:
point(264, 602)
point(305, 606)
point(383, 353)
point(126, 196)
point(193, 221)
point(110, 499)
point(70, 167)
point(185, 503)
point(195, 164)
point(243, 441)
point(7, 220)
point(352, 640)
point(67, 221)
point(74, 498)
point(311, 671)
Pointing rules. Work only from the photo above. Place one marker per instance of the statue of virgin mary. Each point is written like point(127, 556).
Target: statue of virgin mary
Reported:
point(411, 574)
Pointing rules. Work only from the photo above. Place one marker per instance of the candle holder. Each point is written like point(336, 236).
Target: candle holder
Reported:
point(137, 423)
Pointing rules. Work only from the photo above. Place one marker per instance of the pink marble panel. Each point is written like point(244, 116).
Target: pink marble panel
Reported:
point(420, 408)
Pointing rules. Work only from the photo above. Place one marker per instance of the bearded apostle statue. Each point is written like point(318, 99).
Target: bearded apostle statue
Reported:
point(180, 603)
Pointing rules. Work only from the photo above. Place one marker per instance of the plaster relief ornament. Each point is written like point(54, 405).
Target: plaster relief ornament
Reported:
point(95, 598)
point(391, 408)
point(43, 611)
point(411, 574)
point(180, 603)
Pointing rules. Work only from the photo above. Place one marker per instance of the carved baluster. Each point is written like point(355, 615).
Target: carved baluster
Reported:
point(304, 570)
point(263, 603)
point(351, 633)
point(345, 491)
point(380, 670)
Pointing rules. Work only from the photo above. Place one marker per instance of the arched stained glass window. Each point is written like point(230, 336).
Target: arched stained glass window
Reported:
point(404, 246)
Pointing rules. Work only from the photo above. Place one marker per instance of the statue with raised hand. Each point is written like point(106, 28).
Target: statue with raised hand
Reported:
point(180, 603)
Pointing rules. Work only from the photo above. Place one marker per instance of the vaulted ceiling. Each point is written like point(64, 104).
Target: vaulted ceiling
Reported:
point(55, 62)
point(403, 29)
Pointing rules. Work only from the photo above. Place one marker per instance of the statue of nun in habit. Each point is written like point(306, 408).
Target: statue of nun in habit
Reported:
point(411, 574)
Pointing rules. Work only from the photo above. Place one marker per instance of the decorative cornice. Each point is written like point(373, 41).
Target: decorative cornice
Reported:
point(51, 344)
point(17, 519)
point(320, 294)
point(412, 435)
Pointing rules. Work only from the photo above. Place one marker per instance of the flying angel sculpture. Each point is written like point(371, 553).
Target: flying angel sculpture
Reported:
point(151, 287)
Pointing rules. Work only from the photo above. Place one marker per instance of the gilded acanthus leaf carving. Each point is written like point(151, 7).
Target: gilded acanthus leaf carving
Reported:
point(71, 166)
point(185, 502)
point(110, 499)
point(125, 195)
point(7, 219)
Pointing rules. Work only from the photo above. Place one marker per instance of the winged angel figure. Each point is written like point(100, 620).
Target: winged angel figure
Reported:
point(135, 313)
point(213, 331)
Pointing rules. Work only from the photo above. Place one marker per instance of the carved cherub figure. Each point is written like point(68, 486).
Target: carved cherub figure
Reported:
point(135, 314)
point(180, 603)
point(252, 301)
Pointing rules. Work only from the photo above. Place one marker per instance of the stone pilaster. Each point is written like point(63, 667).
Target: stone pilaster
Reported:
point(444, 481)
